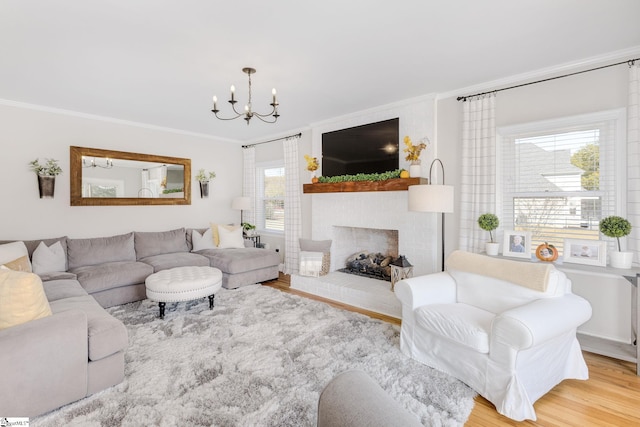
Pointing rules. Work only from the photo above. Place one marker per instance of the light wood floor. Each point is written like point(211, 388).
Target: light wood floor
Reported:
point(611, 396)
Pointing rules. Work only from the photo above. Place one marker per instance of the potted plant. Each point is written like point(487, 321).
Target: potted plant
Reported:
point(489, 222)
point(203, 179)
point(616, 226)
point(249, 229)
point(413, 155)
point(46, 176)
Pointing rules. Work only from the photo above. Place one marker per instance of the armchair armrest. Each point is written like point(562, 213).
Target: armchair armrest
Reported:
point(437, 288)
point(43, 364)
point(540, 320)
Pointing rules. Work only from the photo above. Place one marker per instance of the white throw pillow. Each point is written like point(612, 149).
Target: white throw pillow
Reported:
point(230, 238)
point(15, 256)
point(202, 241)
point(48, 259)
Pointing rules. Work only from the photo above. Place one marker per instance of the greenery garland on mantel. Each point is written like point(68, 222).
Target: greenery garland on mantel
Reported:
point(383, 176)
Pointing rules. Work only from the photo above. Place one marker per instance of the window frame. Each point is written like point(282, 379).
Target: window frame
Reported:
point(561, 125)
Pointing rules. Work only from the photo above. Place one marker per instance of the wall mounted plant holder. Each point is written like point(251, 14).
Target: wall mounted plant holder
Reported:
point(46, 186)
point(204, 189)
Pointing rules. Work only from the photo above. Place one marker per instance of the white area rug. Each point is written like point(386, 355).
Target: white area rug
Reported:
point(259, 358)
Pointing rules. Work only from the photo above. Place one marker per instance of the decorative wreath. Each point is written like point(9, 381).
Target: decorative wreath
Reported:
point(546, 252)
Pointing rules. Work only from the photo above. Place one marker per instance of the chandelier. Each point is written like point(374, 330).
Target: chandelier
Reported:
point(92, 163)
point(248, 112)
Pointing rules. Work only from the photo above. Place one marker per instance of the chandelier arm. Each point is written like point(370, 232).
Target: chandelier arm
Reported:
point(223, 118)
point(265, 120)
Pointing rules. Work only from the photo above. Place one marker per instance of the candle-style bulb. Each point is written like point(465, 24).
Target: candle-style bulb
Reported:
point(233, 92)
point(273, 92)
point(215, 102)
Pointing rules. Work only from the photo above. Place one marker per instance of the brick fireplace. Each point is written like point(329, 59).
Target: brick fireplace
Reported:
point(368, 218)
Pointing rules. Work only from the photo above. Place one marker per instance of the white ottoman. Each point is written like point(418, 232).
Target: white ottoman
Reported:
point(183, 284)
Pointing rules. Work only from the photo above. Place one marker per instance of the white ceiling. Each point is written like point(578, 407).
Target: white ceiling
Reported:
point(159, 62)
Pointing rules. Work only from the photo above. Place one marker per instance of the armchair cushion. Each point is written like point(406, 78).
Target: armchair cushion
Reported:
point(465, 324)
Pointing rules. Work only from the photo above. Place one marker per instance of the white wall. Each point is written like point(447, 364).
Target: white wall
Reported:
point(584, 93)
point(26, 134)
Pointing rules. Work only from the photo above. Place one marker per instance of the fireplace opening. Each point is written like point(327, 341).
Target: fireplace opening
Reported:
point(374, 265)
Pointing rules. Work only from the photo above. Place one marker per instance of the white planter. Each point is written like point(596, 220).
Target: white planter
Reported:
point(492, 248)
point(415, 171)
point(621, 259)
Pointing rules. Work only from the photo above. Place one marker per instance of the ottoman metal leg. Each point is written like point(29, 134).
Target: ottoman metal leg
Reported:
point(211, 301)
point(161, 305)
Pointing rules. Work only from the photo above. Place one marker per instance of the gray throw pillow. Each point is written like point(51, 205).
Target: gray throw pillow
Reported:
point(315, 245)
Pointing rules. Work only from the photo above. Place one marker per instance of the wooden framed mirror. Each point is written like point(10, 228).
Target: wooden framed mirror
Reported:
point(117, 178)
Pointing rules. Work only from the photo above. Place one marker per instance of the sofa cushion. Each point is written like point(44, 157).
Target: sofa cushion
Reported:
point(64, 288)
point(166, 261)
point(14, 256)
point(234, 261)
point(106, 334)
point(99, 250)
point(22, 298)
point(48, 259)
point(163, 242)
point(95, 278)
point(462, 323)
point(57, 275)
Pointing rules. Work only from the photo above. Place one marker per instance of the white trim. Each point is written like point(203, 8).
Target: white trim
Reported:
point(616, 56)
point(72, 113)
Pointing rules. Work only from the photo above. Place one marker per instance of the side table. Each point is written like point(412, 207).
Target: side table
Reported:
point(255, 239)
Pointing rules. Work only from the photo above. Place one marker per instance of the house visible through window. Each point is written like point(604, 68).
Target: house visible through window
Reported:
point(270, 197)
point(559, 178)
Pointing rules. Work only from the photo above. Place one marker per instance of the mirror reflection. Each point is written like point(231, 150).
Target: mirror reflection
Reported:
point(104, 177)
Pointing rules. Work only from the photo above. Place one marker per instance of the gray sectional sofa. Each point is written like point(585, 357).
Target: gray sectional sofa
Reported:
point(79, 349)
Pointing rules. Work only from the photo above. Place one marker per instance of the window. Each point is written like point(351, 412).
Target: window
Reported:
point(270, 197)
point(557, 179)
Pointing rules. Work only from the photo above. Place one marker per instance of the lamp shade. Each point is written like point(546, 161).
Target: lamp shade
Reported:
point(431, 198)
point(241, 204)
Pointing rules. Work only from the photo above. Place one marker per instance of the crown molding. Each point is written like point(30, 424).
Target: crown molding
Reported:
point(61, 111)
point(568, 67)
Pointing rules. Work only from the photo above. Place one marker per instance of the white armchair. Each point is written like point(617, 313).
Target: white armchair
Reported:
point(505, 328)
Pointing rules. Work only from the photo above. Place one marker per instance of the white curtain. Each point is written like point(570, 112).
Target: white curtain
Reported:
point(249, 182)
point(293, 216)
point(478, 185)
point(633, 162)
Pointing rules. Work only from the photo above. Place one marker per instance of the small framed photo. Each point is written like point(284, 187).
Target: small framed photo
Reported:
point(589, 252)
point(517, 244)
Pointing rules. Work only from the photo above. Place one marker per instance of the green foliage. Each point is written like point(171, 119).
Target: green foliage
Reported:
point(246, 226)
point(173, 190)
point(202, 176)
point(588, 159)
point(615, 226)
point(488, 222)
point(361, 177)
point(50, 168)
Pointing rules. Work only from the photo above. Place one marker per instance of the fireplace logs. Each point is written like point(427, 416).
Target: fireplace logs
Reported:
point(374, 265)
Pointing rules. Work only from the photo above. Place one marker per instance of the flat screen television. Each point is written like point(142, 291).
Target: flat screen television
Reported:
point(370, 148)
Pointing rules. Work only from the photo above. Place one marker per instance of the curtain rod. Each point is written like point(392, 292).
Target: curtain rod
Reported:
point(299, 134)
point(630, 62)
